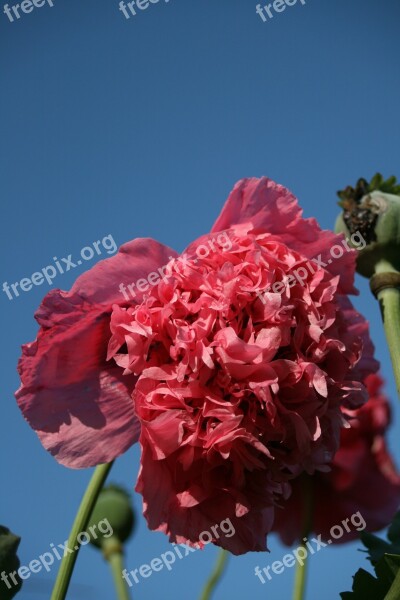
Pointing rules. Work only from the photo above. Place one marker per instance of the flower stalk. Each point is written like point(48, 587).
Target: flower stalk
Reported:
point(385, 285)
point(215, 576)
point(80, 524)
point(300, 581)
point(114, 554)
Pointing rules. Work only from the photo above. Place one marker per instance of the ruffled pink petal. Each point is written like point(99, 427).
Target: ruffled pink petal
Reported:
point(272, 208)
point(195, 519)
point(260, 202)
point(78, 403)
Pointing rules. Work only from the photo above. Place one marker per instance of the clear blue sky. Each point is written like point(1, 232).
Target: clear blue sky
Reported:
point(141, 127)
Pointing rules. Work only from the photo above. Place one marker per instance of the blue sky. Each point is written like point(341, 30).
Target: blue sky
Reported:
point(140, 127)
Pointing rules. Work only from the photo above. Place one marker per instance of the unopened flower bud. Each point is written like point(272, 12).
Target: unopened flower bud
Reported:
point(9, 563)
point(112, 519)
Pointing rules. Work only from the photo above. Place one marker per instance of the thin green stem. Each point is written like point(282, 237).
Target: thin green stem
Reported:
point(300, 581)
point(116, 560)
point(300, 578)
point(215, 575)
point(389, 301)
point(81, 521)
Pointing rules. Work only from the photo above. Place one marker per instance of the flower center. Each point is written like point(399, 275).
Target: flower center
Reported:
point(242, 346)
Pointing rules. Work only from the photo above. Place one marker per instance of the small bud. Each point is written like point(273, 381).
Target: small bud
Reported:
point(9, 563)
point(372, 210)
point(112, 519)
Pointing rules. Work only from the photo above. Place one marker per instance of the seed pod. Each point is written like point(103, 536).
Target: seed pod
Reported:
point(112, 517)
point(376, 216)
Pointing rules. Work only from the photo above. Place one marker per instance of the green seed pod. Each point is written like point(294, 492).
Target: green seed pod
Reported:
point(374, 215)
point(112, 518)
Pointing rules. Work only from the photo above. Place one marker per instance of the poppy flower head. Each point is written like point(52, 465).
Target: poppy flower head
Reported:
point(239, 389)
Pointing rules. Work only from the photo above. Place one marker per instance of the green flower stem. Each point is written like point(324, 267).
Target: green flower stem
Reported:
point(81, 520)
point(300, 581)
point(389, 301)
point(215, 575)
point(116, 560)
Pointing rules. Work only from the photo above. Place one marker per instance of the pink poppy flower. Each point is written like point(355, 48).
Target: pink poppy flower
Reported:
point(239, 358)
point(362, 466)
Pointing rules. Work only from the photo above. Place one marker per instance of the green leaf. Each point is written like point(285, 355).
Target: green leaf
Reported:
point(394, 592)
point(393, 562)
point(385, 558)
point(378, 547)
point(386, 569)
point(366, 587)
point(393, 533)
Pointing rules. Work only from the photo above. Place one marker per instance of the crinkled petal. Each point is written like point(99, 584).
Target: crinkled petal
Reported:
point(193, 519)
point(272, 208)
point(78, 403)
